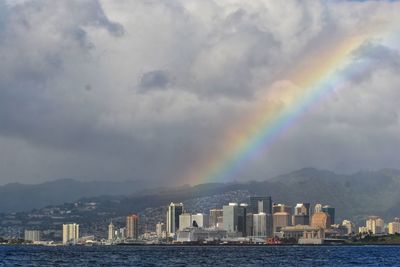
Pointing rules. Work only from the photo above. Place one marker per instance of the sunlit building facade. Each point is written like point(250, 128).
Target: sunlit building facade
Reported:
point(70, 233)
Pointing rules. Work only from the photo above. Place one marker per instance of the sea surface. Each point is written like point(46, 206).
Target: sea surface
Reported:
point(200, 256)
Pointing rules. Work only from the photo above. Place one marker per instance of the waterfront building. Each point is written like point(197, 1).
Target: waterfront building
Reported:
point(121, 233)
point(174, 210)
point(312, 237)
point(280, 219)
point(70, 233)
point(132, 226)
point(195, 234)
point(215, 218)
point(298, 231)
point(185, 221)
point(201, 220)
point(375, 225)
point(160, 230)
point(111, 232)
point(234, 219)
point(32, 235)
point(337, 231)
point(394, 228)
point(349, 226)
point(321, 220)
point(331, 212)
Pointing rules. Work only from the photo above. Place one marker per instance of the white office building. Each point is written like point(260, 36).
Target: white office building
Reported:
point(111, 232)
point(70, 233)
point(32, 235)
point(375, 225)
point(260, 224)
point(394, 228)
point(174, 210)
point(185, 221)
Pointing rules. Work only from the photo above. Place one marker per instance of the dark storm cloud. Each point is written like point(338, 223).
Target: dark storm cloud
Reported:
point(73, 76)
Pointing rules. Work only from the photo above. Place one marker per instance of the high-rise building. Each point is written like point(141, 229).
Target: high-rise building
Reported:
point(375, 225)
point(249, 224)
point(201, 220)
point(174, 210)
point(234, 219)
point(331, 211)
point(317, 208)
point(132, 226)
point(111, 232)
point(185, 221)
point(394, 228)
point(32, 235)
point(301, 214)
point(320, 220)
point(280, 219)
point(302, 209)
point(260, 224)
point(349, 225)
point(282, 208)
point(70, 233)
point(260, 204)
point(215, 218)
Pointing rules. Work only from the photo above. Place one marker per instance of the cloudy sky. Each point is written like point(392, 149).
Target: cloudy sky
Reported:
point(101, 89)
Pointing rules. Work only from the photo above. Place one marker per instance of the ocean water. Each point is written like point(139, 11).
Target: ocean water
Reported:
point(200, 256)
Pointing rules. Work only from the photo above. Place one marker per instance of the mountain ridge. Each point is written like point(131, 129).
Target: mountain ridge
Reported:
point(16, 197)
point(358, 194)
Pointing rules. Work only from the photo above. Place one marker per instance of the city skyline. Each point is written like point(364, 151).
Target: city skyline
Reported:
point(240, 223)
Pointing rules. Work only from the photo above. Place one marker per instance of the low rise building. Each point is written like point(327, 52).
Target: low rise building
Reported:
point(363, 230)
point(312, 238)
point(300, 231)
point(349, 226)
point(195, 234)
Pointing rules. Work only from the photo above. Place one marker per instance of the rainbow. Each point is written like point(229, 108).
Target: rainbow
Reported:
point(312, 81)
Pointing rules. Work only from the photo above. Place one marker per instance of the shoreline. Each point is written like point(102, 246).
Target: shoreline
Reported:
point(209, 245)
